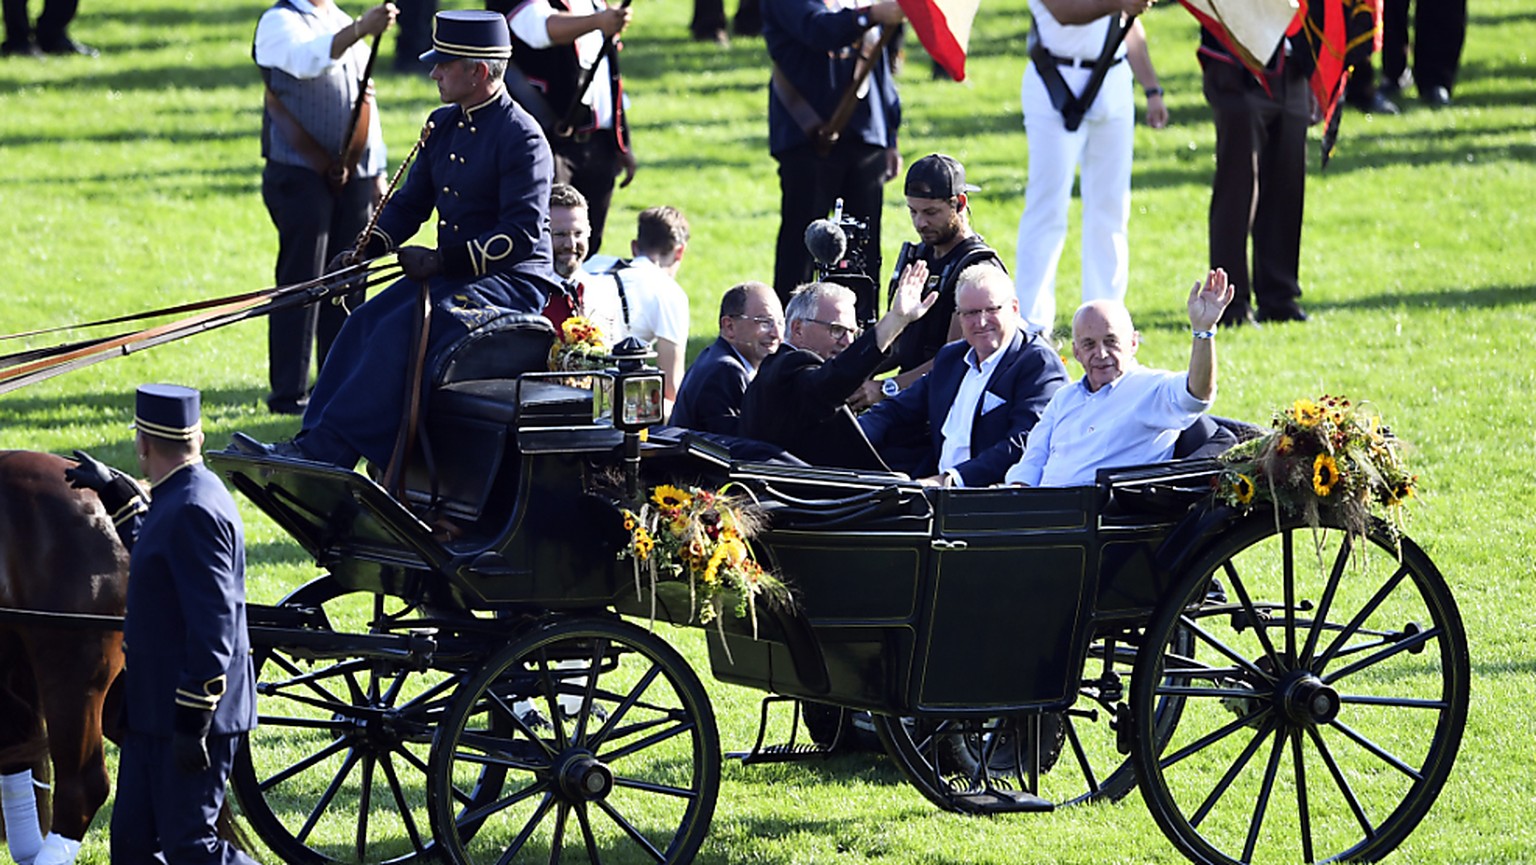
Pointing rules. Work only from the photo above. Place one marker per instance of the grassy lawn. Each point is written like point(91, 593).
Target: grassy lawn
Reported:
point(132, 181)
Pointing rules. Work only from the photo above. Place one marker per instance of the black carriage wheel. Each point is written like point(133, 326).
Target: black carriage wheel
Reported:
point(335, 771)
point(1071, 757)
point(1323, 714)
point(620, 762)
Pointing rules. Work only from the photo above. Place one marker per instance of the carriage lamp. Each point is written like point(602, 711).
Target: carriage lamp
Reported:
point(636, 386)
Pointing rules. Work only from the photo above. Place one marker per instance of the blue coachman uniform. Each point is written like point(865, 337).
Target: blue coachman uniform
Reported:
point(487, 172)
point(188, 658)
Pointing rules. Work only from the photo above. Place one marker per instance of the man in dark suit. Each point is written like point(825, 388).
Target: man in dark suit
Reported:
point(798, 400)
point(751, 324)
point(978, 403)
point(189, 688)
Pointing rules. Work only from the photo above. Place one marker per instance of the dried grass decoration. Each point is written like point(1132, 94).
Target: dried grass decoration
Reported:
point(579, 347)
point(703, 536)
point(1327, 455)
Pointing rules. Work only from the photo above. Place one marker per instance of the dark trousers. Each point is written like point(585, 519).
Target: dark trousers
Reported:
point(591, 166)
point(1439, 31)
point(1260, 182)
point(415, 33)
point(808, 186)
point(313, 226)
point(52, 25)
point(163, 815)
point(709, 17)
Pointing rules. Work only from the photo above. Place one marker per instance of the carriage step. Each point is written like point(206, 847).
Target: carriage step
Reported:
point(994, 801)
point(785, 753)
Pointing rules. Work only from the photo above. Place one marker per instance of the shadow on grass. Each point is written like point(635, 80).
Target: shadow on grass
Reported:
point(1488, 297)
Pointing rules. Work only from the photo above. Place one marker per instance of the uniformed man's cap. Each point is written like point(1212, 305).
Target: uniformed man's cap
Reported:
point(475, 34)
point(168, 411)
point(937, 176)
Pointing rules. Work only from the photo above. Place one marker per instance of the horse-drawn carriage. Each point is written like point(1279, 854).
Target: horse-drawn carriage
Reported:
point(479, 657)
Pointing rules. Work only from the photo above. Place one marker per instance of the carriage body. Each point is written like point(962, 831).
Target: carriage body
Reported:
point(1001, 628)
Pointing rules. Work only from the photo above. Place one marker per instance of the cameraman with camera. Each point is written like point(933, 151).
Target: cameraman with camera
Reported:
point(937, 202)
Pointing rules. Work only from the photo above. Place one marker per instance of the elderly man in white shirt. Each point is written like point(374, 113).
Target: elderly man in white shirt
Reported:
point(1121, 413)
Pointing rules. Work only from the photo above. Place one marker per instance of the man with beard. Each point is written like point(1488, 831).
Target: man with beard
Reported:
point(751, 322)
point(592, 296)
point(937, 202)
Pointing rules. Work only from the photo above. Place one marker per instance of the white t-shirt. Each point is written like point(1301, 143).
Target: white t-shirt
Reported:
point(529, 22)
point(658, 306)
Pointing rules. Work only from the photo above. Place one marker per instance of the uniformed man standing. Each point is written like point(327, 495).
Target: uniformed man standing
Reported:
point(189, 686)
point(486, 169)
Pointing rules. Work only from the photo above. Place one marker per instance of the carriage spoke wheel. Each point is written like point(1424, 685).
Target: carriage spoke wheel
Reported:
point(1067, 758)
point(606, 741)
point(1326, 705)
point(335, 771)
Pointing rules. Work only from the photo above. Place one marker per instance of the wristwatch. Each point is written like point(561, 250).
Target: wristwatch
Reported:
point(890, 387)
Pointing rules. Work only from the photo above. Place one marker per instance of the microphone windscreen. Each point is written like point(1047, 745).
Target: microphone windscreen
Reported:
point(826, 242)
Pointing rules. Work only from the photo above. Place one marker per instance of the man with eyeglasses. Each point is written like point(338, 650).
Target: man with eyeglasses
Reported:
point(751, 324)
point(975, 408)
point(798, 400)
point(937, 202)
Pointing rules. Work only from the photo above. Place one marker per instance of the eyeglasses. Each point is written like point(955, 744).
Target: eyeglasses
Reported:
point(577, 234)
point(838, 331)
point(763, 322)
point(976, 314)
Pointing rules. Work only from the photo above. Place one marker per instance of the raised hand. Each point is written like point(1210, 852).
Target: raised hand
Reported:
point(1207, 302)
point(90, 474)
point(908, 304)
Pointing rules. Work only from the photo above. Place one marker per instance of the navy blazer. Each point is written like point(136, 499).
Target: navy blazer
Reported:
point(710, 397)
point(797, 402)
point(1026, 376)
point(185, 634)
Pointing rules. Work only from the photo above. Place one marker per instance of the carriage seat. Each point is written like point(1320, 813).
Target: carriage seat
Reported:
point(466, 442)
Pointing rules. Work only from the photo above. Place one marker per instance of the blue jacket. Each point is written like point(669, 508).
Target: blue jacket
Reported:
point(710, 398)
point(1026, 376)
point(487, 171)
point(807, 38)
point(797, 402)
point(185, 633)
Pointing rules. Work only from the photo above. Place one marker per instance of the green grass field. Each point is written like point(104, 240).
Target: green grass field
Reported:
point(132, 181)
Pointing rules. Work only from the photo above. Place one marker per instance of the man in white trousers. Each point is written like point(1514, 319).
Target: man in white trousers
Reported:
point(1069, 39)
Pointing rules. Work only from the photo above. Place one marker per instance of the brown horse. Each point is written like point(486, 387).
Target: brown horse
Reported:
point(58, 553)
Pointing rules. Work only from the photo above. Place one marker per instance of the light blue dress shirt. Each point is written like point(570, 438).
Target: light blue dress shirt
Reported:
point(1133, 420)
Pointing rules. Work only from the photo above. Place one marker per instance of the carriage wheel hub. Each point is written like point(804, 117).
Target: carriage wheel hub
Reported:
point(584, 778)
point(1306, 700)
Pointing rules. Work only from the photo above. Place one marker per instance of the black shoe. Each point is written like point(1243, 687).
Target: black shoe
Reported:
point(1237, 316)
point(1286, 313)
point(717, 36)
point(19, 49)
point(1375, 104)
point(66, 45)
point(1436, 97)
point(1390, 90)
point(244, 444)
point(288, 405)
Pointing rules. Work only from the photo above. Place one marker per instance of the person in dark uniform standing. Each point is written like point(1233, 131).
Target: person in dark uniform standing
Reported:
point(1439, 32)
point(312, 56)
point(486, 169)
point(558, 47)
point(816, 47)
point(1261, 172)
point(52, 31)
point(189, 686)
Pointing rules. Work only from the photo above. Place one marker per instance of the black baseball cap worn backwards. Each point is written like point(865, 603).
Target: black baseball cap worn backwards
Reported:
point(168, 411)
point(473, 34)
point(937, 176)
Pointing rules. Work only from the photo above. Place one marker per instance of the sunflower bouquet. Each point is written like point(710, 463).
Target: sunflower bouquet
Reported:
point(1327, 454)
point(702, 536)
point(579, 347)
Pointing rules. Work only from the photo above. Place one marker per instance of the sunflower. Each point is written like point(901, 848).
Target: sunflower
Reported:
point(630, 521)
point(1401, 492)
point(1308, 414)
point(1325, 473)
point(1284, 444)
point(668, 496)
point(1242, 487)
point(643, 544)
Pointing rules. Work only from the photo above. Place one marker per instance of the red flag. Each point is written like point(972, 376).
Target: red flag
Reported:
point(944, 28)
